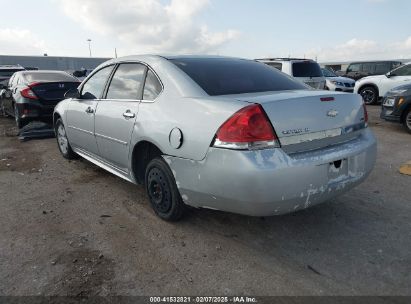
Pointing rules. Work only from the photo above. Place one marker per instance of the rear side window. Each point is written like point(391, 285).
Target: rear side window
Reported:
point(127, 82)
point(52, 77)
point(367, 68)
point(224, 76)
point(277, 65)
point(306, 69)
point(152, 87)
point(94, 86)
point(382, 68)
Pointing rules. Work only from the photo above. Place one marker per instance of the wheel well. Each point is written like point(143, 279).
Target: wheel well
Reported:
point(370, 85)
point(408, 108)
point(55, 117)
point(143, 153)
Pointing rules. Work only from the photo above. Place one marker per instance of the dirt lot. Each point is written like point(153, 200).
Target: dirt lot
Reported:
point(70, 228)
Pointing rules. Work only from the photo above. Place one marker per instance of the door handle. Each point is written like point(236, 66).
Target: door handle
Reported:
point(89, 110)
point(127, 114)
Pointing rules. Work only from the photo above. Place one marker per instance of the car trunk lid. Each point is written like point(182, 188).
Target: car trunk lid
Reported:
point(52, 91)
point(305, 119)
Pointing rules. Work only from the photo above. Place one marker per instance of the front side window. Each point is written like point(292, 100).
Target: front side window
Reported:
point(127, 81)
point(354, 68)
point(94, 87)
point(223, 76)
point(152, 87)
point(402, 71)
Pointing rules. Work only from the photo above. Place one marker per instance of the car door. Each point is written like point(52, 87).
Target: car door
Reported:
point(397, 77)
point(81, 111)
point(117, 113)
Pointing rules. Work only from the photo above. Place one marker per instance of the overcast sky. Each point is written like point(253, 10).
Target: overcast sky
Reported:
point(326, 29)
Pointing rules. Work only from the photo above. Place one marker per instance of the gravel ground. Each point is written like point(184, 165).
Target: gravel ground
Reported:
point(70, 228)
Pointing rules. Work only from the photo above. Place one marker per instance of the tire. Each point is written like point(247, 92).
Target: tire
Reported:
point(62, 141)
point(407, 120)
point(369, 95)
point(20, 123)
point(162, 191)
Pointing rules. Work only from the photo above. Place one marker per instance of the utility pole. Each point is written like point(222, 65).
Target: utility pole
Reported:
point(115, 52)
point(89, 45)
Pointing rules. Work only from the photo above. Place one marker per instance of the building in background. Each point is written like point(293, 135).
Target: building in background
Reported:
point(53, 62)
point(342, 65)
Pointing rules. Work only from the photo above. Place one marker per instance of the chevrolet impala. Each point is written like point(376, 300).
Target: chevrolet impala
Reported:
point(216, 132)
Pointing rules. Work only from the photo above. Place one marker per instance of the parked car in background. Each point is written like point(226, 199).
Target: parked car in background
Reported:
point(373, 88)
point(306, 70)
point(215, 132)
point(358, 70)
point(337, 83)
point(396, 106)
point(6, 71)
point(32, 95)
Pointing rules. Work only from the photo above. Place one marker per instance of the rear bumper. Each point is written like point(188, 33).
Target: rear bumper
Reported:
point(271, 182)
point(35, 109)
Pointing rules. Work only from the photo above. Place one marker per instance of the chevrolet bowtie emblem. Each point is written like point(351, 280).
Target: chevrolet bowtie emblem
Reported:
point(332, 113)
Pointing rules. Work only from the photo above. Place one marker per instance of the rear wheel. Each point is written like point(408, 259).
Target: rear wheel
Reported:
point(62, 141)
point(407, 120)
point(162, 191)
point(20, 123)
point(369, 95)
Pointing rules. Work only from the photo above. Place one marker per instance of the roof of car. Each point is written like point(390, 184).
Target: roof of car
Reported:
point(11, 66)
point(284, 59)
point(374, 61)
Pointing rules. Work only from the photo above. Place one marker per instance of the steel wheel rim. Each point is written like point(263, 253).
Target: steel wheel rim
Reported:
point(62, 139)
point(158, 191)
point(368, 96)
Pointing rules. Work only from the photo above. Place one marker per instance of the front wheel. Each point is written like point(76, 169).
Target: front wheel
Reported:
point(369, 95)
point(407, 120)
point(62, 141)
point(162, 191)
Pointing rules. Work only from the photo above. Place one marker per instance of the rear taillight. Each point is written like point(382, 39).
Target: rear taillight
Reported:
point(365, 115)
point(28, 93)
point(249, 128)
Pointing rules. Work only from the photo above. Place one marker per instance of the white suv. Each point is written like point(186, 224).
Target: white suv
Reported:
point(372, 88)
point(305, 70)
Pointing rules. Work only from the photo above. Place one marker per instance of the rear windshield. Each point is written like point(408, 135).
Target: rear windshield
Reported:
point(306, 69)
point(8, 73)
point(224, 76)
point(51, 77)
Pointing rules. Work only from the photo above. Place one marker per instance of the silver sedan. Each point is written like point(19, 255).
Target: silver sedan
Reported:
point(215, 132)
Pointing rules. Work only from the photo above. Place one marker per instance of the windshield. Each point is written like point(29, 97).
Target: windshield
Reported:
point(306, 69)
point(52, 77)
point(328, 73)
point(224, 76)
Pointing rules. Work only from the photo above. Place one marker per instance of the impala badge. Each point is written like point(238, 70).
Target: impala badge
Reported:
point(332, 113)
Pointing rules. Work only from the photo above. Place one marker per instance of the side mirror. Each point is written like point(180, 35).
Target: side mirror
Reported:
point(388, 75)
point(72, 93)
